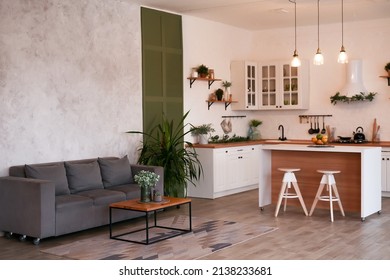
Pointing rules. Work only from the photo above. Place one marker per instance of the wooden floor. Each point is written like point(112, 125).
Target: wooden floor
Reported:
point(298, 237)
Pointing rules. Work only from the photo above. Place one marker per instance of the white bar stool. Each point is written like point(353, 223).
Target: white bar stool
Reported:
point(288, 180)
point(330, 183)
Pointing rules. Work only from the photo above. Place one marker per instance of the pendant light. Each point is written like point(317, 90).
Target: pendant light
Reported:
point(318, 57)
point(295, 62)
point(343, 57)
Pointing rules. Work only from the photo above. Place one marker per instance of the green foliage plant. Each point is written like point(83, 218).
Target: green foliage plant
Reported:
point(255, 123)
point(202, 129)
point(202, 70)
point(357, 97)
point(165, 146)
point(219, 94)
point(387, 67)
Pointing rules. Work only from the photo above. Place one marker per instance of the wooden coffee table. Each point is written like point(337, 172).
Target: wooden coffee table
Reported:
point(150, 208)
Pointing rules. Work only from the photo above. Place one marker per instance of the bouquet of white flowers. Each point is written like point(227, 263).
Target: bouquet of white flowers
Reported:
point(146, 179)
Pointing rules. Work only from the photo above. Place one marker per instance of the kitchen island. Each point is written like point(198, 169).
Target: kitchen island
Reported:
point(359, 182)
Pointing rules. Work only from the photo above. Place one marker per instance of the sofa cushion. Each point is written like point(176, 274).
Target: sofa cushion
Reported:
point(115, 171)
point(132, 191)
point(83, 176)
point(51, 172)
point(103, 196)
point(72, 201)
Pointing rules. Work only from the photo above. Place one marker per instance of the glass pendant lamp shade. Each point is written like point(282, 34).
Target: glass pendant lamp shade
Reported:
point(295, 62)
point(318, 57)
point(343, 57)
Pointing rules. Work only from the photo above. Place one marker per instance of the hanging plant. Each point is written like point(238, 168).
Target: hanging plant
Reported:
point(357, 97)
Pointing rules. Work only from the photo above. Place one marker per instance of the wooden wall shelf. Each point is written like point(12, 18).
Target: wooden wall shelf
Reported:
point(210, 81)
point(227, 103)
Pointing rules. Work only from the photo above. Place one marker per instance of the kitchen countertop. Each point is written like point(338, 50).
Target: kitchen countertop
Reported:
point(382, 144)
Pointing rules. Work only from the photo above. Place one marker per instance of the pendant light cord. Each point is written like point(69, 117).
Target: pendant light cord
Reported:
point(295, 22)
point(318, 23)
point(342, 23)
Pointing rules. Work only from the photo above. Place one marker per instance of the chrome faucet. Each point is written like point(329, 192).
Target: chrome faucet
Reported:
point(283, 138)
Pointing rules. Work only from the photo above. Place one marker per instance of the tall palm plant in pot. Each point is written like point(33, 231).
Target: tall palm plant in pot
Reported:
point(165, 146)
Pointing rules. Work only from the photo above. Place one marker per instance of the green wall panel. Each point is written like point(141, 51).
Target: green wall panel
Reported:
point(162, 64)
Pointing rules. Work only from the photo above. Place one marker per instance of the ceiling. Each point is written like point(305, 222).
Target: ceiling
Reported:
point(269, 14)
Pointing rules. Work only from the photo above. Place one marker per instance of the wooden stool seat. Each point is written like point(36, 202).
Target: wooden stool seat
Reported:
point(288, 180)
point(329, 181)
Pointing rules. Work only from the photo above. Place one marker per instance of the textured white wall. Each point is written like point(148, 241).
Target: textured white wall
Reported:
point(70, 80)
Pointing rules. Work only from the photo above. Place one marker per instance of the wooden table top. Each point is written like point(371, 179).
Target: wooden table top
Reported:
point(136, 205)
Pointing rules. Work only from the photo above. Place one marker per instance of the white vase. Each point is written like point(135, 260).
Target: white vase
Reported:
point(203, 139)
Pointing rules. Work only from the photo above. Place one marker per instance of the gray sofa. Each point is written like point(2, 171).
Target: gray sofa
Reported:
point(56, 198)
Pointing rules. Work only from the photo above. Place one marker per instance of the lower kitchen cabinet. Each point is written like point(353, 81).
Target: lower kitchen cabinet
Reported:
point(227, 171)
point(385, 182)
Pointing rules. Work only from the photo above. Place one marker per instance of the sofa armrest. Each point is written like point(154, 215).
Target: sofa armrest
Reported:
point(27, 206)
point(159, 170)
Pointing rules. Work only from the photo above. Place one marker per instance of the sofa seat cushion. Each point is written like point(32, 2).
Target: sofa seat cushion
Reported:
point(72, 201)
point(103, 196)
point(83, 176)
point(131, 191)
point(51, 172)
point(115, 171)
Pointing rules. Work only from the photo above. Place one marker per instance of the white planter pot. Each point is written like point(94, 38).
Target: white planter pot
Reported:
point(203, 139)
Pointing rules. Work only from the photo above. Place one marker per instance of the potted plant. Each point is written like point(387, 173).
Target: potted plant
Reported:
point(202, 131)
point(253, 132)
point(219, 94)
point(146, 180)
point(165, 146)
point(157, 197)
point(227, 86)
point(202, 70)
point(387, 68)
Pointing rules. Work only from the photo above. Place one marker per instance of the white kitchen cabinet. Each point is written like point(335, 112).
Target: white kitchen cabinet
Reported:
point(244, 80)
point(227, 171)
point(385, 180)
point(284, 87)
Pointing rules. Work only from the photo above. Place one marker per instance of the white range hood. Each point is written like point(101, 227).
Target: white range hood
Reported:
point(354, 84)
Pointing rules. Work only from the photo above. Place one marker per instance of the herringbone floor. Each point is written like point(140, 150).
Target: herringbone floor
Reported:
point(298, 237)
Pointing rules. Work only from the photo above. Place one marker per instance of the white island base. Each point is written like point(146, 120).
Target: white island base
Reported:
point(359, 182)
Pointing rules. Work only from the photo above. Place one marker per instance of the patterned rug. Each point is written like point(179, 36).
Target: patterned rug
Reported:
point(208, 236)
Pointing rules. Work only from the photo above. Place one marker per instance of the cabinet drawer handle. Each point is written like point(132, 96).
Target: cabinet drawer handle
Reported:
point(239, 150)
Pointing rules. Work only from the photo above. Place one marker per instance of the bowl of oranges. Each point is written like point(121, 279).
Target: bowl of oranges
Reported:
point(320, 139)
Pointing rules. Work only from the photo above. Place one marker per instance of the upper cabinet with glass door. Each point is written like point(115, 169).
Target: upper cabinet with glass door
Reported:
point(284, 87)
point(244, 80)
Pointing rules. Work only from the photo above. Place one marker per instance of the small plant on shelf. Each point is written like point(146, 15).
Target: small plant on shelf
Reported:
point(202, 70)
point(219, 94)
point(387, 68)
point(226, 84)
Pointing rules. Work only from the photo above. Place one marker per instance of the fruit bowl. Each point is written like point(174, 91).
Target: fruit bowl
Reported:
point(320, 139)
